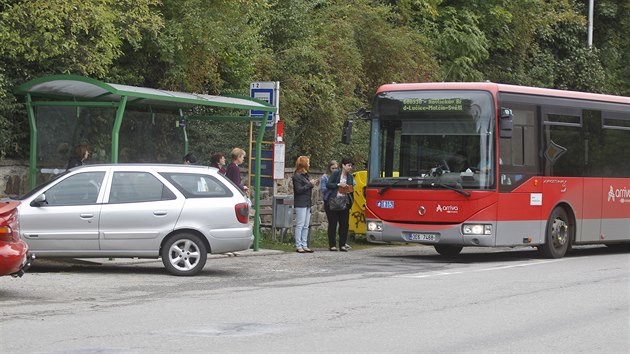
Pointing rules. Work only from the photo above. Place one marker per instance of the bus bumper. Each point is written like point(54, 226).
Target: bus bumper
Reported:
point(387, 232)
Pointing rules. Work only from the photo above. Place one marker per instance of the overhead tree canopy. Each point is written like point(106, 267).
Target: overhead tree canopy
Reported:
point(329, 55)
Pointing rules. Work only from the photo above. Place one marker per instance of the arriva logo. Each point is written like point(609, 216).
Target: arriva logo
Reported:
point(451, 209)
point(611, 194)
point(622, 194)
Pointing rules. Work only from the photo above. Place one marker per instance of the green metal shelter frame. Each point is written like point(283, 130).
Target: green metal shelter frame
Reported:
point(80, 91)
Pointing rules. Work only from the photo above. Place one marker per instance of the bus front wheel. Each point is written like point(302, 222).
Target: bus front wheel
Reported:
point(448, 250)
point(558, 235)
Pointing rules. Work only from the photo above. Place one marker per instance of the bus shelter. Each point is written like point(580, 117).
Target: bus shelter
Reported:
point(122, 123)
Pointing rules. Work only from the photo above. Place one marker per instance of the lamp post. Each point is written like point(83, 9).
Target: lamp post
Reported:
point(591, 4)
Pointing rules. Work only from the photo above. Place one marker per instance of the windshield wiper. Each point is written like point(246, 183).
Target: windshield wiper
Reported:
point(458, 188)
point(386, 188)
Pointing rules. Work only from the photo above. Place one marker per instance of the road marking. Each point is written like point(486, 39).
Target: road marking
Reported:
point(435, 274)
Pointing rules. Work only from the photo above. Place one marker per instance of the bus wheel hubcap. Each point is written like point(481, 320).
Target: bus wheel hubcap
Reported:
point(559, 232)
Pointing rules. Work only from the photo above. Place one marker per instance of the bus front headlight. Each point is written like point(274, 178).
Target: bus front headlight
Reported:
point(374, 225)
point(477, 229)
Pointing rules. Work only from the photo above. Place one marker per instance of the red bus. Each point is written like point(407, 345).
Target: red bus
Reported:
point(485, 164)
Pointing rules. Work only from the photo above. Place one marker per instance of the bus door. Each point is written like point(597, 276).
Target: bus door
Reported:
point(520, 189)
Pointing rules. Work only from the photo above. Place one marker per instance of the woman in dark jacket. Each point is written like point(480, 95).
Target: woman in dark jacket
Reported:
point(341, 184)
point(81, 153)
point(302, 190)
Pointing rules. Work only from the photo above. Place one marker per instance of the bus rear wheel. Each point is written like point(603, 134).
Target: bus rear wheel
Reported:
point(448, 250)
point(558, 235)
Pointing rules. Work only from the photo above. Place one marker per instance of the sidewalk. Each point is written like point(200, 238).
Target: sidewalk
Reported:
point(104, 261)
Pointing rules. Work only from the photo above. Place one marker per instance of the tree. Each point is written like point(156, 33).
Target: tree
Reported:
point(333, 59)
point(610, 36)
point(329, 55)
point(42, 37)
point(66, 36)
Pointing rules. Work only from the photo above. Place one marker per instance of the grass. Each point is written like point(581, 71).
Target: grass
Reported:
point(319, 240)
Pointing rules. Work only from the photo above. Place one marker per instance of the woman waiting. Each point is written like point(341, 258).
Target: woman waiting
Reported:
point(333, 166)
point(81, 153)
point(218, 160)
point(302, 201)
point(233, 172)
point(341, 186)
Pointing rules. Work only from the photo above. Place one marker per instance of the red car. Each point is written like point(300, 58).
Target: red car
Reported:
point(14, 257)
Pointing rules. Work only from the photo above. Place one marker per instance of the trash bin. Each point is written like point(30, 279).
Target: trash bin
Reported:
point(282, 214)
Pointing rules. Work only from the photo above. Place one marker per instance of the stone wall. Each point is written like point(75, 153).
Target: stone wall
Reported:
point(13, 178)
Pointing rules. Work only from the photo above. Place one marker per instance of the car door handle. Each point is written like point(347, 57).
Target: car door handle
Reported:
point(159, 212)
point(87, 216)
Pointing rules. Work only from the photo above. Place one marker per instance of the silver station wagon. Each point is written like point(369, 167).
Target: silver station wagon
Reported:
point(177, 212)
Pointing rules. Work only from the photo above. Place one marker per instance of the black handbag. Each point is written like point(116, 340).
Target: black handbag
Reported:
point(337, 203)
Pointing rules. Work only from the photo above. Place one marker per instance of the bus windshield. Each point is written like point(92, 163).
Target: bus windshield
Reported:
point(433, 139)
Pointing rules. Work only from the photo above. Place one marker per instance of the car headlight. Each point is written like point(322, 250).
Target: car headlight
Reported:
point(477, 229)
point(374, 226)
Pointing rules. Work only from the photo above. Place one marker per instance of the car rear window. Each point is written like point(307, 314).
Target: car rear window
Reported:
point(193, 185)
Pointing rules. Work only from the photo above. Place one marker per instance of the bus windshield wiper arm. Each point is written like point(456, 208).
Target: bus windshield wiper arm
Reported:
point(387, 187)
point(457, 189)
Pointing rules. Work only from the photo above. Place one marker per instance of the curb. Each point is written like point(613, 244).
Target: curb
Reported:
point(116, 260)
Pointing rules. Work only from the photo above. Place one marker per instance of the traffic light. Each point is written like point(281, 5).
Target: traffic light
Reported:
point(346, 133)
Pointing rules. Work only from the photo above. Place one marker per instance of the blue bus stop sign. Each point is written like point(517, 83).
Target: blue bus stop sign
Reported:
point(267, 91)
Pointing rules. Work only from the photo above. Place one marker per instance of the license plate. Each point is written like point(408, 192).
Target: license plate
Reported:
point(417, 236)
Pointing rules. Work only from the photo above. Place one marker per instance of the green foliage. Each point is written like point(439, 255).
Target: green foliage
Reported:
point(207, 48)
point(547, 50)
point(42, 37)
point(329, 55)
point(11, 133)
point(612, 30)
point(336, 56)
point(66, 36)
point(462, 44)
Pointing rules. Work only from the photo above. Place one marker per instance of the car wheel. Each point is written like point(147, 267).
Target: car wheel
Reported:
point(184, 254)
point(448, 250)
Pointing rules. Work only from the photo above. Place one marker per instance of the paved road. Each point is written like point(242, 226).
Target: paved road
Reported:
point(383, 299)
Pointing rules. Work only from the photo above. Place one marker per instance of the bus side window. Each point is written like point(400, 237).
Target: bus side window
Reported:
point(519, 156)
point(564, 141)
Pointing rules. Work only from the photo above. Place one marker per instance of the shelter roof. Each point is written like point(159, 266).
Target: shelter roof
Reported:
point(80, 88)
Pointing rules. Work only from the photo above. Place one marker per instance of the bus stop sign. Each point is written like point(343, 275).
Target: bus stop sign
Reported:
point(268, 91)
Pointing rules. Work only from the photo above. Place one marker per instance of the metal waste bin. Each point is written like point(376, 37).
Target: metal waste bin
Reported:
point(282, 214)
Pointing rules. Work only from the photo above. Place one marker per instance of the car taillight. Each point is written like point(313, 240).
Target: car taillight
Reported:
point(8, 226)
point(242, 212)
point(6, 234)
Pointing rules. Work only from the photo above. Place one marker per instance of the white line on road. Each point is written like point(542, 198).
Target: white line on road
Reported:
point(435, 274)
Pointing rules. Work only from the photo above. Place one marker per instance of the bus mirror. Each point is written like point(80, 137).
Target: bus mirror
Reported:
point(363, 113)
point(346, 132)
point(506, 123)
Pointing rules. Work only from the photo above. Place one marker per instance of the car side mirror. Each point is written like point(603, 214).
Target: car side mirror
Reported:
point(39, 200)
point(506, 122)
